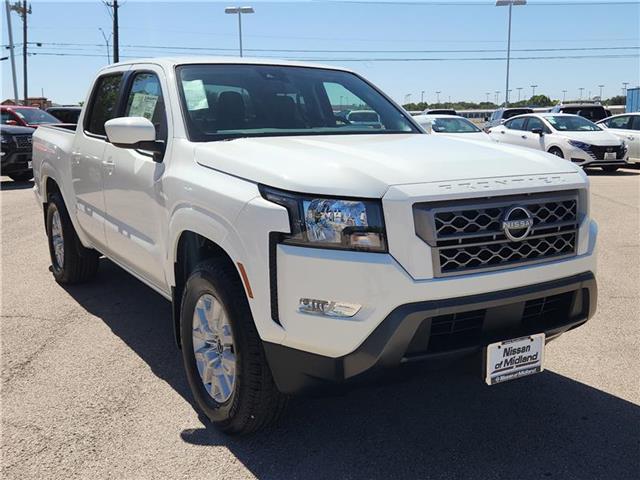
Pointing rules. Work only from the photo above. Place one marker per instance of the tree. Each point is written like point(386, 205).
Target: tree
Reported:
point(617, 100)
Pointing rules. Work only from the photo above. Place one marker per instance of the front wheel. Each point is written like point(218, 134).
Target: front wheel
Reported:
point(556, 151)
point(222, 353)
point(610, 168)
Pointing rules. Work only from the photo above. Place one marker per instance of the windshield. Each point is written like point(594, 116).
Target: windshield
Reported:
point(35, 116)
point(453, 125)
point(230, 101)
point(572, 123)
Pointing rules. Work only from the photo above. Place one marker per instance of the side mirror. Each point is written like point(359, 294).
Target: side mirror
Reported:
point(428, 127)
point(133, 132)
point(537, 131)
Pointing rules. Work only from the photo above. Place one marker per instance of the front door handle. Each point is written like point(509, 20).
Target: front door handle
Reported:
point(523, 136)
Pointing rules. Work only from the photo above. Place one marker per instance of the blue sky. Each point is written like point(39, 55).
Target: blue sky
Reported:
point(346, 31)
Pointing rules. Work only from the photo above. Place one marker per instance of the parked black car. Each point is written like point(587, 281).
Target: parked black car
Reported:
point(65, 114)
point(16, 150)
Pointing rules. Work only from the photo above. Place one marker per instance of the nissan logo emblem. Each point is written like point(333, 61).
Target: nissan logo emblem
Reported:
point(517, 223)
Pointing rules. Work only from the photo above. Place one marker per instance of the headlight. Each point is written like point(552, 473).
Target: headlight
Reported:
point(581, 145)
point(5, 139)
point(339, 223)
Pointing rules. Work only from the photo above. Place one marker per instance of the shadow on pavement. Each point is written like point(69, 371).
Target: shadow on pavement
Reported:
point(11, 185)
point(440, 424)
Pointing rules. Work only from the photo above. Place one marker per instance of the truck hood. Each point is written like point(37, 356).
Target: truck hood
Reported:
point(367, 165)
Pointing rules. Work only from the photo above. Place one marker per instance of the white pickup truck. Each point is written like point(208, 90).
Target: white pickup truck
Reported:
point(301, 250)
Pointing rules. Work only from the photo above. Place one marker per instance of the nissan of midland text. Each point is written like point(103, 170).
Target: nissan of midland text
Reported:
point(302, 250)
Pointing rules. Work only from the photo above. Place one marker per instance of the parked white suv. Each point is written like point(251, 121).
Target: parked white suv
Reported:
point(567, 136)
point(300, 251)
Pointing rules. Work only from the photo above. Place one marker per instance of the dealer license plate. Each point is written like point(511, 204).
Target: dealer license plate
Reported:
point(29, 164)
point(514, 358)
point(609, 155)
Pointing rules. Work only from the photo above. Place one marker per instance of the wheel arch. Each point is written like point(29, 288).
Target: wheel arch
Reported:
point(190, 248)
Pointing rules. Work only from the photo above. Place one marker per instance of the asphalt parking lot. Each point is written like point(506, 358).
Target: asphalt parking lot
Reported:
point(93, 387)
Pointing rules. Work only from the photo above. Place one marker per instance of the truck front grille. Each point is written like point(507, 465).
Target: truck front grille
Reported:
point(469, 236)
point(23, 141)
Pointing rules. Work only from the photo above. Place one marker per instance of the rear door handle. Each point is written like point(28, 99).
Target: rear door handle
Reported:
point(109, 166)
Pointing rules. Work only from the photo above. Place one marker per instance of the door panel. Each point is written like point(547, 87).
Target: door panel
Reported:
point(133, 187)
point(87, 157)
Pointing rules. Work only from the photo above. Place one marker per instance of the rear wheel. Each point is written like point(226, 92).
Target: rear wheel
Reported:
point(556, 151)
point(222, 353)
point(610, 168)
point(71, 262)
point(21, 177)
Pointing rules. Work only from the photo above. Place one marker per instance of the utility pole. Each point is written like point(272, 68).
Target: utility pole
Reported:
point(12, 52)
point(116, 33)
point(23, 10)
point(113, 11)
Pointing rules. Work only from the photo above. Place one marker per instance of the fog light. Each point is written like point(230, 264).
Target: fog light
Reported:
point(328, 308)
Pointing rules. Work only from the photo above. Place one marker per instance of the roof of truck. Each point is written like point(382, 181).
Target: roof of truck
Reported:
point(214, 60)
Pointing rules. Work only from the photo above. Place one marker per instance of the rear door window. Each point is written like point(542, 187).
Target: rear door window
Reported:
point(103, 103)
point(516, 123)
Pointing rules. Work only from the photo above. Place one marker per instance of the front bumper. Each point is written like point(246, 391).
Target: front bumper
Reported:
point(15, 161)
point(586, 159)
point(451, 327)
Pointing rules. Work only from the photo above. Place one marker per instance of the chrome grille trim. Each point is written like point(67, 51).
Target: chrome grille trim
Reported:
point(23, 141)
point(466, 236)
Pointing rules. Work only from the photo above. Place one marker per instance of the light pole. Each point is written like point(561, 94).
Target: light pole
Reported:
point(422, 97)
point(564, 96)
point(106, 40)
point(533, 90)
point(438, 94)
point(487, 94)
point(519, 92)
point(600, 87)
point(239, 11)
point(624, 88)
point(510, 4)
point(497, 96)
point(581, 90)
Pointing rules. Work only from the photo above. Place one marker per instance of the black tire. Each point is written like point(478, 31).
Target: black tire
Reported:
point(556, 151)
point(610, 168)
point(79, 264)
point(21, 177)
point(255, 401)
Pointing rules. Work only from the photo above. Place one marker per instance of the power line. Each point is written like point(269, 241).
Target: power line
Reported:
point(558, 57)
point(288, 50)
